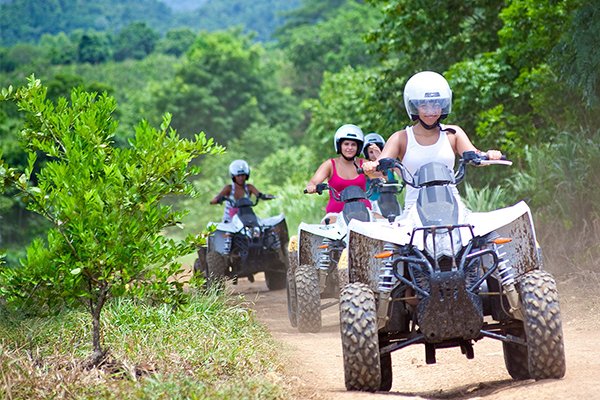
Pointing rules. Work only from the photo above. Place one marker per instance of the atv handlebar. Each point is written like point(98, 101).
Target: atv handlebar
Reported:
point(468, 158)
point(320, 188)
point(260, 196)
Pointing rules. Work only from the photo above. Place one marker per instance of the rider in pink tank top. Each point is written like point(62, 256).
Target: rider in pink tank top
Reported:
point(339, 184)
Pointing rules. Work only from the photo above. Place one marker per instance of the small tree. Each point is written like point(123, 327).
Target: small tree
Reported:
point(104, 204)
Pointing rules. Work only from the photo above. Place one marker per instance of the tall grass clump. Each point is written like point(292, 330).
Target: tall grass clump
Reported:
point(208, 349)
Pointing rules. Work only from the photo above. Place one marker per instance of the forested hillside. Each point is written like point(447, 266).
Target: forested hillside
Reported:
point(521, 84)
point(37, 18)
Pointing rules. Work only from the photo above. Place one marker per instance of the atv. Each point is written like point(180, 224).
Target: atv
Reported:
point(444, 277)
point(314, 272)
point(245, 246)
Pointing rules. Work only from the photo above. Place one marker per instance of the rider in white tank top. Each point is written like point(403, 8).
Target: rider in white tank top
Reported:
point(417, 155)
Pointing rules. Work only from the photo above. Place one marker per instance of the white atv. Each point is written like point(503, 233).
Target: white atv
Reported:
point(314, 272)
point(431, 276)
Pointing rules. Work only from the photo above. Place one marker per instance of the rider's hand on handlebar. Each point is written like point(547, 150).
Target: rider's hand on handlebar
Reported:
point(221, 199)
point(493, 154)
point(370, 168)
point(310, 188)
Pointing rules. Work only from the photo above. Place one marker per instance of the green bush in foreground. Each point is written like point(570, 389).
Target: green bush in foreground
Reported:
point(104, 204)
point(208, 349)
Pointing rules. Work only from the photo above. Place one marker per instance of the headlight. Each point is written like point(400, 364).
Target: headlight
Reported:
point(256, 232)
point(443, 243)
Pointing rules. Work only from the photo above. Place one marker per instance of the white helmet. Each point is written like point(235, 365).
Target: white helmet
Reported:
point(430, 88)
point(373, 138)
point(348, 132)
point(239, 167)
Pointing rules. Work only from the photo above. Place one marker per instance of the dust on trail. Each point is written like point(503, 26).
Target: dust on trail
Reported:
point(315, 367)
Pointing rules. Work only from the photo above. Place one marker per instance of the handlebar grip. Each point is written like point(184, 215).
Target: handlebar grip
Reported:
point(305, 191)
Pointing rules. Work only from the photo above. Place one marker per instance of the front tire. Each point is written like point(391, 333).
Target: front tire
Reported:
point(360, 342)
point(275, 280)
point(292, 298)
point(542, 325)
point(216, 266)
point(516, 358)
point(385, 361)
point(308, 299)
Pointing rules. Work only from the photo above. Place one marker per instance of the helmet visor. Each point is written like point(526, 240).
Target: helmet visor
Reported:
point(429, 106)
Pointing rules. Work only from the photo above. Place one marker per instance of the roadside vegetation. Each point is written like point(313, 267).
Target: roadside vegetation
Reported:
point(210, 348)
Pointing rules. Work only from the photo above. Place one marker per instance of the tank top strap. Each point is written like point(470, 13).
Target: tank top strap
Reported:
point(410, 136)
point(334, 172)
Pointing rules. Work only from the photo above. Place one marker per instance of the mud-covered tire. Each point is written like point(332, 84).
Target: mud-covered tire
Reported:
point(216, 268)
point(200, 263)
point(360, 342)
point(516, 359)
point(343, 277)
point(542, 325)
point(292, 300)
point(275, 280)
point(308, 317)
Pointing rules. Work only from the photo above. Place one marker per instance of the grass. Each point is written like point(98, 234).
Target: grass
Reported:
point(209, 349)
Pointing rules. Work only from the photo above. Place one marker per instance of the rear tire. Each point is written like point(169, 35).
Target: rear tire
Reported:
point(360, 342)
point(308, 299)
point(542, 325)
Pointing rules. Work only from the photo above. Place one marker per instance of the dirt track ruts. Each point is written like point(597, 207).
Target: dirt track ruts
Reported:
point(315, 369)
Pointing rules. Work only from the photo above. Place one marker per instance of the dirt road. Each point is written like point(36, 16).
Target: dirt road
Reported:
point(315, 367)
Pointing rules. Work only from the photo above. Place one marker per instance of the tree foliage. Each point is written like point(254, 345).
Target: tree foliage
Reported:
point(326, 45)
point(136, 40)
point(223, 87)
point(104, 205)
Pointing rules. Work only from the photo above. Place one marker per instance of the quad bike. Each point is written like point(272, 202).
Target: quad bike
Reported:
point(314, 259)
point(245, 246)
point(431, 276)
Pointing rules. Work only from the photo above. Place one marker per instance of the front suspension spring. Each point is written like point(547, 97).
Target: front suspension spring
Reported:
point(505, 272)
point(324, 260)
point(387, 279)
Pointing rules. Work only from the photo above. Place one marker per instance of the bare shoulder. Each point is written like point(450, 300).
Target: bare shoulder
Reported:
point(226, 191)
point(459, 140)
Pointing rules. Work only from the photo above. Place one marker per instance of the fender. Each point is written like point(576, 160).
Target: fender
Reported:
point(332, 231)
point(311, 236)
point(232, 227)
point(217, 241)
point(514, 222)
point(271, 221)
point(486, 222)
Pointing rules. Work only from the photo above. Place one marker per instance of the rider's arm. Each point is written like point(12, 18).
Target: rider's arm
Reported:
point(323, 172)
point(463, 143)
point(395, 147)
point(253, 190)
point(226, 191)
